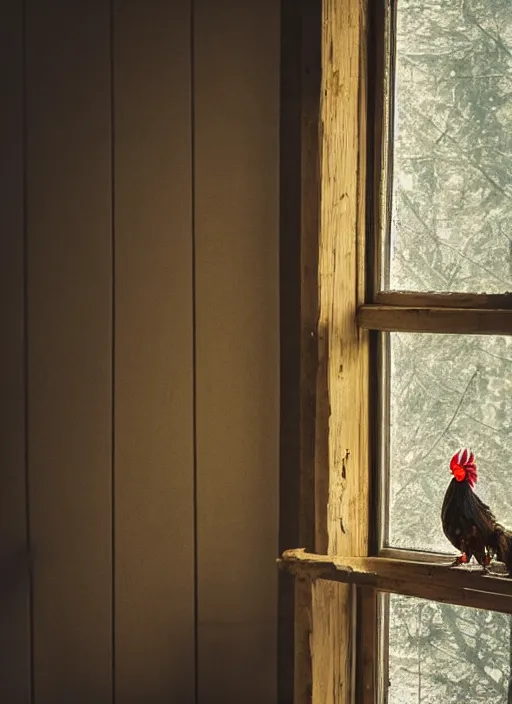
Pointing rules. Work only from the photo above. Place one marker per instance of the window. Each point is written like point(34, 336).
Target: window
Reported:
point(414, 350)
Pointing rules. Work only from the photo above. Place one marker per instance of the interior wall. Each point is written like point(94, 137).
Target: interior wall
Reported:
point(139, 357)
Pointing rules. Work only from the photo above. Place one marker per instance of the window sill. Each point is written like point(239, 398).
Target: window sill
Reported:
point(465, 586)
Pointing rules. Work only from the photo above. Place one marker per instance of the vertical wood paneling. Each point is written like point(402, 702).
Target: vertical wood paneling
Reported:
point(237, 333)
point(14, 574)
point(148, 634)
point(69, 335)
point(154, 471)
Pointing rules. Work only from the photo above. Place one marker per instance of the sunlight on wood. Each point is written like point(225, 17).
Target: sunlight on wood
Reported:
point(466, 586)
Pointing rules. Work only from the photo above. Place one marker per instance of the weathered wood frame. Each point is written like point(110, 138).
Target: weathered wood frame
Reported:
point(433, 581)
point(342, 196)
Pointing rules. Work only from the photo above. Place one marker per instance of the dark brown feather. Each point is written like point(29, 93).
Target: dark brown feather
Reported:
point(504, 551)
point(469, 524)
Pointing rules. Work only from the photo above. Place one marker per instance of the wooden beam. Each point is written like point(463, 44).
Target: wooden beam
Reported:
point(367, 649)
point(342, 381)
point(290, 628)
point(310, 19)
point(418, 299)
point(341, 442)
point(465, 586)
point(477, 321)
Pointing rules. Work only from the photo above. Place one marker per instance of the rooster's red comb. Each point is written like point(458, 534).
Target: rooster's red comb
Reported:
point(462, 458)
point(466, 460)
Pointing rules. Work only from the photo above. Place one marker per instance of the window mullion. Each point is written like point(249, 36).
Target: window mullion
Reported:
point(418, 299)
point(434, 319)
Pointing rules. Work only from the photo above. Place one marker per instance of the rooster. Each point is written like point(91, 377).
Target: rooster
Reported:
point(468, 523)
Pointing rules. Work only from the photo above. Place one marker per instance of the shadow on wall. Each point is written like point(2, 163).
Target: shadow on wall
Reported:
point(14, 577)
point(14, 654)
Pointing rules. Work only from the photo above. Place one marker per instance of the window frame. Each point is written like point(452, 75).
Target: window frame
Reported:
point(342, 571)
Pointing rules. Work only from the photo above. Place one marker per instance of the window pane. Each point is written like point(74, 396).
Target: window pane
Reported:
point(450, 654)
point(451, 220)
point(447, 392)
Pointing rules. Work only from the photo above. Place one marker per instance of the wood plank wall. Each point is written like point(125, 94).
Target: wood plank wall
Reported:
point(139, 361)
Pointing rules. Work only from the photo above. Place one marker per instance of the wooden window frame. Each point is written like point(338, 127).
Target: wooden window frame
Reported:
point(341, 570)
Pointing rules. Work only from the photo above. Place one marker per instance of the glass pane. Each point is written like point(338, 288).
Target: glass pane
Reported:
point(447, 392)
point(451, 219)
point(450, 654)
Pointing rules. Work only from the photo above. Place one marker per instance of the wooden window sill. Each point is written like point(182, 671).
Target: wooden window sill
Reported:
point(465, 586)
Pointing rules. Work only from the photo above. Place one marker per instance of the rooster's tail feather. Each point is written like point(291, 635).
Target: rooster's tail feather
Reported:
point(504, 544)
